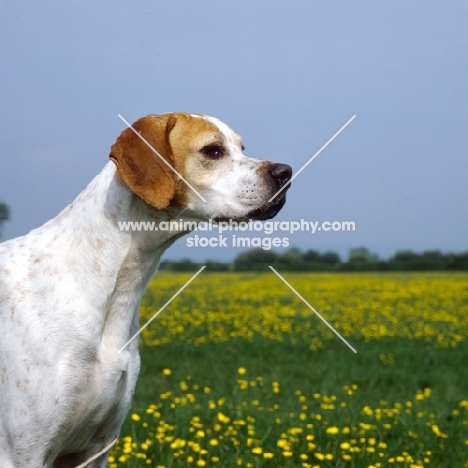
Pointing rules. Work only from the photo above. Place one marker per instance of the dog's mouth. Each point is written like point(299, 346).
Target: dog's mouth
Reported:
point(269, 210)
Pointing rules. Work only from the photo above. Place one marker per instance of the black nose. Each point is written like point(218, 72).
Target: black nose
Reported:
point(282, 172)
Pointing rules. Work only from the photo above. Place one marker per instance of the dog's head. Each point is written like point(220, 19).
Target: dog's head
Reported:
point(197, 162)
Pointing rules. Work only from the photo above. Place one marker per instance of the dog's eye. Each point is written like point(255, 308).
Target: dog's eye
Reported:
point(213, 151)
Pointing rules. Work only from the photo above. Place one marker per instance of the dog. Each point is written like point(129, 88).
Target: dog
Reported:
point(70, 290)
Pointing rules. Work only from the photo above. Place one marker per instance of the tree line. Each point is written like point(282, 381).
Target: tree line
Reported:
point(4, 215)
point(360, 259)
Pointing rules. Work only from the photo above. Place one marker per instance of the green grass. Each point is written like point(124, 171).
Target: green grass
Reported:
point(387, 372)
point(237, 371)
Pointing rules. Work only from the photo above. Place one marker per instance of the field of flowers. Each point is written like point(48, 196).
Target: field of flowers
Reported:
point(237, 371)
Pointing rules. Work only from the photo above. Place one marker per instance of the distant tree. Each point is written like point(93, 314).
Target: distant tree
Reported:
point(433, 260)
point(248, 260)
point(362, 254)
point(312, 260)
point(214, 265)
point(457, 261)
point(291, 257)
point(331, 258)
point(405, 256)
point(405, 260)
point(181, 265)
point(433, 255)
point(4, 215)
point(311, 256)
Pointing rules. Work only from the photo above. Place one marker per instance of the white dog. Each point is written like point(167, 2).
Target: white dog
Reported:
point(70, 290)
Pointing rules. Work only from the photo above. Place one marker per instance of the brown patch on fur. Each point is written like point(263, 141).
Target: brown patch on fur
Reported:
point(140, 167)
point(175, 136)
point(188, 136)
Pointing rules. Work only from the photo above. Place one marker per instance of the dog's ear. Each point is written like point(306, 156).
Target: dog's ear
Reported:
point(140, 167)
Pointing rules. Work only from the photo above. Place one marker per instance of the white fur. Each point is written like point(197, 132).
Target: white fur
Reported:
point(69, 300)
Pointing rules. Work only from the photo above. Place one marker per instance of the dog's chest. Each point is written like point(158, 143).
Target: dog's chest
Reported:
point(101, 398)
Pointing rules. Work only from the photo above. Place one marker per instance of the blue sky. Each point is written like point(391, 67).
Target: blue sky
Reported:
point(285, 75)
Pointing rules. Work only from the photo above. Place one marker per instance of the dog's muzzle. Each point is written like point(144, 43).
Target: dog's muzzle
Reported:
point(280, 175)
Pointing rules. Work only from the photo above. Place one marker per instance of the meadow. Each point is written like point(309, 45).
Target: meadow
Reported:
point(237, 371)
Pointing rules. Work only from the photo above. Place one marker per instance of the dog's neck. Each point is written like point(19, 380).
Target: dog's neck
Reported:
point(115, 261)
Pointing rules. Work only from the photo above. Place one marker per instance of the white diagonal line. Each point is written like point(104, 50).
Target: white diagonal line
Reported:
point(311, 308)
point(180, 214)
point(162, 159)
point(104, 450)
point(162, 308)
point(313, 157)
